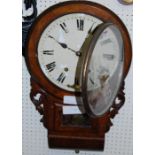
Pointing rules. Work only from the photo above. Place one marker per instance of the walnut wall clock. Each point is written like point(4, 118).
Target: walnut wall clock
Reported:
point(79, 51)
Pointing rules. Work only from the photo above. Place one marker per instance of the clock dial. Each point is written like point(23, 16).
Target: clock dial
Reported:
point(59, 46)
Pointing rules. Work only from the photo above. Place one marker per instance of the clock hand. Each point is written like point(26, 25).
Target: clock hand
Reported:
point(90, 30)
point(63, 45)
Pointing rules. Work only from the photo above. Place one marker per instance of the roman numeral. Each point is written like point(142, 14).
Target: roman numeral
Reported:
point(105, 42)
point(51, 66)
point(61, 78)
point(92, 82)
point(64, 27)
point(48, 52)
point(80, 24)
point(76, 81)
point(109, 56)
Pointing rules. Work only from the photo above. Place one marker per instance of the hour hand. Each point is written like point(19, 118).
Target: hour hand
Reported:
point(91, 29)
point(63, 45)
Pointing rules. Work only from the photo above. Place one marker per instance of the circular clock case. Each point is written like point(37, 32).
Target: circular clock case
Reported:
point(60, 30)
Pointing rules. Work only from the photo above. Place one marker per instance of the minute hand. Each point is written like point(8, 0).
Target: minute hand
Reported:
point(63, 45)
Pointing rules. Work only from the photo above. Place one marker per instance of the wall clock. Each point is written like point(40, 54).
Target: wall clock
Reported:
point(78, 50)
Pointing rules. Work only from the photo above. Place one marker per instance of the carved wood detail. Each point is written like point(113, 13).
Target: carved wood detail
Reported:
point(51, 109)
point(118, 103)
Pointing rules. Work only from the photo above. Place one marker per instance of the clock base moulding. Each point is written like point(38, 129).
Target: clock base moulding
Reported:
point(73, 131)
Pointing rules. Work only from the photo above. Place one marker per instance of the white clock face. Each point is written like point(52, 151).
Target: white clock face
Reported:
point(59, 46)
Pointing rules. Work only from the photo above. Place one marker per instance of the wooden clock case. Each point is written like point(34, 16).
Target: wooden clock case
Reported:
point(71, 131)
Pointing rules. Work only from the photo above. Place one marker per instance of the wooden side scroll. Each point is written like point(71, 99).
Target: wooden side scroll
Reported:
point(118, 103)
point(37, 96)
